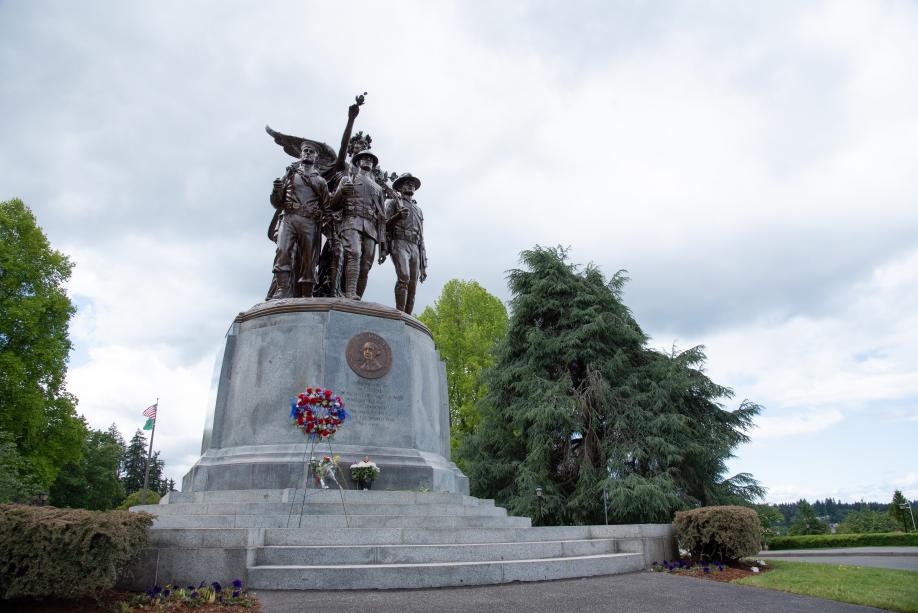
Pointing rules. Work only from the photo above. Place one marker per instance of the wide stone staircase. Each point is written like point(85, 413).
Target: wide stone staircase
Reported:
point(346, 539)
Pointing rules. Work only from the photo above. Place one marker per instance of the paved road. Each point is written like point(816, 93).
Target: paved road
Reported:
point(904, 558)
point(638, 593)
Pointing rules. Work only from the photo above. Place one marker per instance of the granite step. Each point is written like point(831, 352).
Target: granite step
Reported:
point(324, 555)
point(438, 574)
point(419, 536)
point(294, 520)
point(329, 495)
point(313, 507)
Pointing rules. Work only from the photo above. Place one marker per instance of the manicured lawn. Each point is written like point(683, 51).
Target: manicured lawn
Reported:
point(896, 590)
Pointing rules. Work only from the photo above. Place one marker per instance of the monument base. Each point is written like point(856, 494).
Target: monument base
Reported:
point(283, 466)
point(382, 362)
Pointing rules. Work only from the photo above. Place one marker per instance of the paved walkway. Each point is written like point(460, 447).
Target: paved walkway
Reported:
point(903, 558)
point(638, 593)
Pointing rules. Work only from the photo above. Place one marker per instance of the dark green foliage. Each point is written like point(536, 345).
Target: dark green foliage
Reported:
point(92, 482)
point(900, 515)
point(577, 404)
point(16, 484)
point(725, 533)
point(134, 462)
point(133, 499)
point(806, 522)
point(35, 408)
point(834, 510)
point(66, 553)
point(867, 521)
point(819, 541)
point(466, 322)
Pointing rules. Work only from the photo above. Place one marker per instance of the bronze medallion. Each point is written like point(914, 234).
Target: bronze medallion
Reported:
point(369, 355)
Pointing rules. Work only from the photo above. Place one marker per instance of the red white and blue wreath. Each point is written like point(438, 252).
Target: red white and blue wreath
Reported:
point(317, 412)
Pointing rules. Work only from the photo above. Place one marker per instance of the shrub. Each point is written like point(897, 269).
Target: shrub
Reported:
point(719, 533)
point(820, 541)
point(66, 553)
point(133, 499)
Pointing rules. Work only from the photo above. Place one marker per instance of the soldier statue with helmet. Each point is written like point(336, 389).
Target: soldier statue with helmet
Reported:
point(405, 230)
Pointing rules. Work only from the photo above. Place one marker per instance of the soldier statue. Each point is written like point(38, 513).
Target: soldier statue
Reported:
point(363, 223)
point(301, 197)
point(405, 229)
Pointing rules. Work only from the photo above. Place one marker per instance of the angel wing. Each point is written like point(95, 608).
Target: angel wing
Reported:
point(291, 144)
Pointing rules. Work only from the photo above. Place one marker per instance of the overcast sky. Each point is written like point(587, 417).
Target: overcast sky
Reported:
point(752, 165)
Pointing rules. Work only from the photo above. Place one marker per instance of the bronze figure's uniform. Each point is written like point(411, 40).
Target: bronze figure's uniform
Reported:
point(302, 196)
point(405, 225)
point(362, 226)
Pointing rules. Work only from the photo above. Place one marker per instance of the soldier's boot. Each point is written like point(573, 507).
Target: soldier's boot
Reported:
point(306, 290)
point(282, 289)
point(401, 294)
point(362, 283)
point(333, 290)
point(350, 281)
point(409, 302)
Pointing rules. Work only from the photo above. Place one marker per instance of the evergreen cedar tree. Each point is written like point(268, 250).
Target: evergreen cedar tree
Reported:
point(578, 405)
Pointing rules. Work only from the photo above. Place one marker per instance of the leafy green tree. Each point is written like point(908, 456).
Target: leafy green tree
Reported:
point(466, 322)
point(806, 522)
point(578, 405)
point(35, 407)
point(16, 484)
point(866, 521)
point(899, 514)
point(771, 519)
point(92, 482)
point(133, 499)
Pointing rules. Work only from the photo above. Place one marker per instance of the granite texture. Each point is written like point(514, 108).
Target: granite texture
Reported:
point(278, 349)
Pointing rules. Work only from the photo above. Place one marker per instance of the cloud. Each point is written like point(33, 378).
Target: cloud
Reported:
point(792, 425)
point(751, 166)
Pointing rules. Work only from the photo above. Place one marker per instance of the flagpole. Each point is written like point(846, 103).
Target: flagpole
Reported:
point(146, 473)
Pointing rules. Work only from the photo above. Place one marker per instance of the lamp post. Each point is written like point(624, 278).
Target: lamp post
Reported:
point(538, 492)
point(911, 514)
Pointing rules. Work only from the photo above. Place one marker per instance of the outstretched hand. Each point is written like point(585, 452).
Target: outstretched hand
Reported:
point(353, 111)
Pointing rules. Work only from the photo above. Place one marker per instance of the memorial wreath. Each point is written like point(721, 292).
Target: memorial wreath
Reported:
point(317, 412)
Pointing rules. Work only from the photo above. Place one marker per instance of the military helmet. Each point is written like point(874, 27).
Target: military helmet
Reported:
point(406, 176)
point(365, 153)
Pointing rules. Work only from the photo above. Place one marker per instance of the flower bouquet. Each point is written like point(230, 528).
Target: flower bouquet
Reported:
point(324, 469)
point(364, 473)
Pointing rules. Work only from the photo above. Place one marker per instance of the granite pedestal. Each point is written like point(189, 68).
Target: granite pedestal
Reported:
point(276, 350)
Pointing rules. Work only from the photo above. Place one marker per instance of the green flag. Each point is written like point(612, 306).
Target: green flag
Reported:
point(149, 424)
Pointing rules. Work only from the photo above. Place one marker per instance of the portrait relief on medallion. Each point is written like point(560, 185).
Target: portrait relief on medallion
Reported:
point(369, 355)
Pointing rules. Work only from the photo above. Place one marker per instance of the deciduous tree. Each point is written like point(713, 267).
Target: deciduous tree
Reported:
point(35, 408)
point(466, 322)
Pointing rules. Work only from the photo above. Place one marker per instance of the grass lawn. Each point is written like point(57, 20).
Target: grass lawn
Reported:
point(896, 590)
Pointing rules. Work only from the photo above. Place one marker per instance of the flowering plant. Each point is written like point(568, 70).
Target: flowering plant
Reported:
point(364, 470)
point(321, 468)
point(176, 597)
point(318, 412)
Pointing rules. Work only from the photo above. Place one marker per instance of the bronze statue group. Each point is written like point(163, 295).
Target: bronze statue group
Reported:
point(347, 199)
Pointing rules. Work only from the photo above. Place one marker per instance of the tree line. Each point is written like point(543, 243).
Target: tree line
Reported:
point(47, 450)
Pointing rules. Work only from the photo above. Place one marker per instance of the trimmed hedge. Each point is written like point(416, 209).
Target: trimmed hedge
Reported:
point(821, 541)
point(66, 553)
point(719, 533)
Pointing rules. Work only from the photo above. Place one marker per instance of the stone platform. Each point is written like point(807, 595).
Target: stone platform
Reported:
point(289, 539)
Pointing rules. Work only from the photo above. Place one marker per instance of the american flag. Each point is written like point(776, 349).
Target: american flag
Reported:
point(150, 412)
